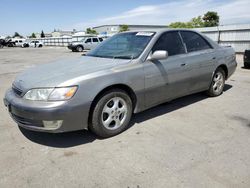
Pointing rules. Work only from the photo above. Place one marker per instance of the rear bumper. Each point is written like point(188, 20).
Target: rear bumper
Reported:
point(36, 115)
point(246, 63)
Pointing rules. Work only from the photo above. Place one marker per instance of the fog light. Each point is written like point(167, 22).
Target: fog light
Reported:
point(52, 124)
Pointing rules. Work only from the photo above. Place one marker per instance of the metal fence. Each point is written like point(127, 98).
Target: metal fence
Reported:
point(237, 36)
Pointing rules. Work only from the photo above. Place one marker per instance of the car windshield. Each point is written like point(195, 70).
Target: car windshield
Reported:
point(123, 45)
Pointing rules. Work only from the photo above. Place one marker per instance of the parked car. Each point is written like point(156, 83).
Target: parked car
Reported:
point(85, 44)
point(33, 43)
point(6, 43)
point(127, 73)
point(19, 42)
point(247, 59)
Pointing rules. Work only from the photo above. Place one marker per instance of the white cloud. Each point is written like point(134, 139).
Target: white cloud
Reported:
point(233, 11)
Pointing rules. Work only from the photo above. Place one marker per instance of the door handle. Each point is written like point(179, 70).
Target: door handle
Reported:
point(214, 58)
point(183, 64)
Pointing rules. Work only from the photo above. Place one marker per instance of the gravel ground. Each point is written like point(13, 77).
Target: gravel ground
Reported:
point(194, 141)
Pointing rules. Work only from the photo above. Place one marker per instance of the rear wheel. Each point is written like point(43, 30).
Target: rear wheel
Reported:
point(111, 113)
point(79, 48)
point(217, 84)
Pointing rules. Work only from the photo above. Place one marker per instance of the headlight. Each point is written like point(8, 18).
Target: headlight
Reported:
point(51, 94)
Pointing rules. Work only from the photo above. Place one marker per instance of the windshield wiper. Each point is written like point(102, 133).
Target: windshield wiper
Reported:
point(123, 57)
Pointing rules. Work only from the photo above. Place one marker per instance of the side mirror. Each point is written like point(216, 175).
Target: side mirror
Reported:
point(158, 55)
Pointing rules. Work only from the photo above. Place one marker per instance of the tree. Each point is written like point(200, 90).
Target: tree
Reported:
point(211, 19)
point(180, 25)
point(123, 28)
point(197, 22)
point(91, 31)
point(42, 34)
point(16, 34)
point(33, 35)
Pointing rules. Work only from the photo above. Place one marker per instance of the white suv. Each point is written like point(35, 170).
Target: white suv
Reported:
point(87, 43)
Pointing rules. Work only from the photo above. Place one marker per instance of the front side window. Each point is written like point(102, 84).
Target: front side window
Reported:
point(171, 42)
point(100, 39)
point(95, 40)
point(123, 45)
point(88, 40)
point(194, 42)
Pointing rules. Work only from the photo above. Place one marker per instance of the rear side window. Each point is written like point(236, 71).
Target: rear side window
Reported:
point(194, 42)
point(95, 40)
point(170, 42)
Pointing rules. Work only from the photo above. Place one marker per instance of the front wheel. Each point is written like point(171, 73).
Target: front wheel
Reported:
point(111, 113)
point(217, 84)
point(79, 48)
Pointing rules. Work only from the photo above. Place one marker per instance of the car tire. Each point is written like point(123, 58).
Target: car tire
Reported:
point(247, 66)
point(40, 46)
point(79, 49)
point(111, 113)
point(217, 84)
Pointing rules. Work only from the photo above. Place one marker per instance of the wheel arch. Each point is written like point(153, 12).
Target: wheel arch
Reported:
point(123, 87)
point(224, 67)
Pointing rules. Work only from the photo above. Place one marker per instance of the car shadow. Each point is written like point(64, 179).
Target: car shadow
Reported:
point(71, 139)
point(247, 68)
point(171, 106)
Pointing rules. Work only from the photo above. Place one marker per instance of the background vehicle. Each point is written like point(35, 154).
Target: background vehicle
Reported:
point(127, 73)
point(19, 42)
point(33, 43)
point(247, 59)
point(87, 43)
point(7, 43)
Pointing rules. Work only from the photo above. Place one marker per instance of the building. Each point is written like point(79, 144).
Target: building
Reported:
point(110, 30)
point(38, 35)
point(61, 33)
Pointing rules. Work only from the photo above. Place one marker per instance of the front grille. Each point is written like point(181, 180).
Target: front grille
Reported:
point(17, 91)
point(28, 122)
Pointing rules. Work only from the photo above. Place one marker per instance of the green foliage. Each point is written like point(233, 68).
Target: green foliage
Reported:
point(123, 28)
point(42, 34)
point(197, 22)
point(33, 35)
point(16, 34)
point(91, 31)
point(180, 25)
point(211, 19)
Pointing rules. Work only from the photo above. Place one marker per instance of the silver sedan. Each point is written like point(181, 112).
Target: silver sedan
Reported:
point(127, 73)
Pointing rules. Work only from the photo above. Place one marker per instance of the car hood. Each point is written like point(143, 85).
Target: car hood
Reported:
point(57, 73)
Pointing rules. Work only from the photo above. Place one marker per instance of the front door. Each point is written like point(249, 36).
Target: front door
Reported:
point(169, 78)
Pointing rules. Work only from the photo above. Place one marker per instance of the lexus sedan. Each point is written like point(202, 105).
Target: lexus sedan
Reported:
point(127, 73)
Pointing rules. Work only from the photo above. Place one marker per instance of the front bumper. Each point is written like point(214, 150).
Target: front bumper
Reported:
point(72, 47)
point(35, 115)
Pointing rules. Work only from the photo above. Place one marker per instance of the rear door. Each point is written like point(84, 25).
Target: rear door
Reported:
point(200, 60)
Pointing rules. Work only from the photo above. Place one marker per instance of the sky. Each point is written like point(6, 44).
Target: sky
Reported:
point(27, 16)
